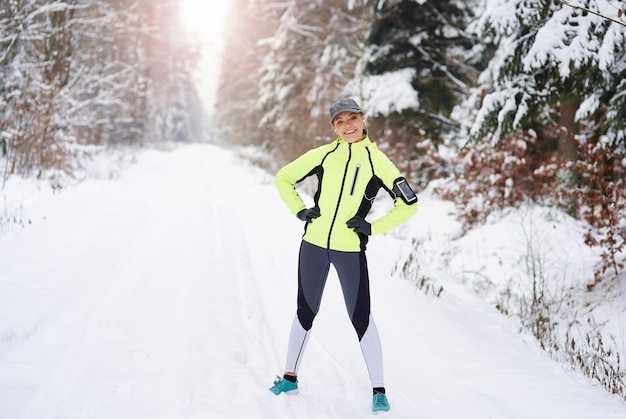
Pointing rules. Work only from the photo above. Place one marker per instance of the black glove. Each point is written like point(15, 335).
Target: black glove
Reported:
point(307, 215)
point(360, 225)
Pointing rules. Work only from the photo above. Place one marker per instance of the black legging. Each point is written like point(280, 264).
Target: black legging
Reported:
point(351, 267)
point(314, 264)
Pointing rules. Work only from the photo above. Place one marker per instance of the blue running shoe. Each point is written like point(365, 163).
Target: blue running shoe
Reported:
point(284, 386)
point(380, 403)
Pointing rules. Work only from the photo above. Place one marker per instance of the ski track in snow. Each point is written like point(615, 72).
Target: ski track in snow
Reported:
point(169, 293)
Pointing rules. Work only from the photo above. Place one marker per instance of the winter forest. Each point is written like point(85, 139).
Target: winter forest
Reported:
point(495, 102)
point(494, 105)
point(82, 74)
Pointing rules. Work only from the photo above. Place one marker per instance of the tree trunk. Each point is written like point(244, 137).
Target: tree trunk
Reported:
point(568, 147)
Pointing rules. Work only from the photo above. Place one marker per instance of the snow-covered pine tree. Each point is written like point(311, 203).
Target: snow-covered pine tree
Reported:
point(248, 24)
point(559, 80)
point(173, 105)
point(102, 102)
point(555, 65)
point(420, 64)
point(309, 61)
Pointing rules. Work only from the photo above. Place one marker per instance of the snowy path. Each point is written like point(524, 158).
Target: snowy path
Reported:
point(169, 293)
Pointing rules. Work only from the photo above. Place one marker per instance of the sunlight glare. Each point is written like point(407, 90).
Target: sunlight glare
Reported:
point(204, 20)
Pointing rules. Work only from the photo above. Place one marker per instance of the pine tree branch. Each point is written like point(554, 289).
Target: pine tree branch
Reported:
point(619, 22)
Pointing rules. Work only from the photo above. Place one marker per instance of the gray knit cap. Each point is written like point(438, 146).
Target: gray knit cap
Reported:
point(343, 105)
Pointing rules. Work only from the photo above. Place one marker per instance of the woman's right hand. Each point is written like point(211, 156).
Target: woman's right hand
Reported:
point(307, 215)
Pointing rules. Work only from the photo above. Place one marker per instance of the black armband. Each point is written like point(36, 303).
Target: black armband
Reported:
point(402, 189)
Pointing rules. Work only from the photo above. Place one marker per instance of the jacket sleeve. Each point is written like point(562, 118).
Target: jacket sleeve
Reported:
point(292, 173)
point(401, 212)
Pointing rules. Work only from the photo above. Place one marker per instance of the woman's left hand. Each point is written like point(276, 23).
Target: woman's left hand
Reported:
point(360, 225)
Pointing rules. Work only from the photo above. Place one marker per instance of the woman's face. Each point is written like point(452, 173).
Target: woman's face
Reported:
point(349, 126)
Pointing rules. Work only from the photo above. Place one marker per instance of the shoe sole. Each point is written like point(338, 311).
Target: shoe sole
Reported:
point(375, 412)
point(294, 391)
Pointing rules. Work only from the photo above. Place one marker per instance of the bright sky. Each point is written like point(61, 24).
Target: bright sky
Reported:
point(205, 20)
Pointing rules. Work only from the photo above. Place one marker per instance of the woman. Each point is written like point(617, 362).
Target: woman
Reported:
point(349, 171)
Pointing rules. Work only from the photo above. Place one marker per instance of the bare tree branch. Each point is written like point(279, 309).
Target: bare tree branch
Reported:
point(619, 22)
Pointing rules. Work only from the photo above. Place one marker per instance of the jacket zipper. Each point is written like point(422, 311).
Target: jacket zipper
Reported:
point(343, 184)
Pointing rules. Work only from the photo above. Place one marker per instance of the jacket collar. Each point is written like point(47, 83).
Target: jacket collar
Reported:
point(360, 144)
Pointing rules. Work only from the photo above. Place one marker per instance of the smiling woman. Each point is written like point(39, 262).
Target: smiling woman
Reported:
point(204, 20)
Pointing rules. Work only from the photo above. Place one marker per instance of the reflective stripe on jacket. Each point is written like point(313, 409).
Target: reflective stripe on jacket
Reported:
point(349, 177)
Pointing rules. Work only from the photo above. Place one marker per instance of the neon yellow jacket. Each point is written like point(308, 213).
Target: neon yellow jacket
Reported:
point(349, 177)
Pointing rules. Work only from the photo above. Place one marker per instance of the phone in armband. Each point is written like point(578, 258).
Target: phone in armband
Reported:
point(404, 191)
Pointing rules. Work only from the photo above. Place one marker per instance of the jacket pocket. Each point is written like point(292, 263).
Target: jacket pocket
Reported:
point(356, 176)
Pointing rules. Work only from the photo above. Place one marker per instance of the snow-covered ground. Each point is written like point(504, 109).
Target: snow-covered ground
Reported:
point(169, 291)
